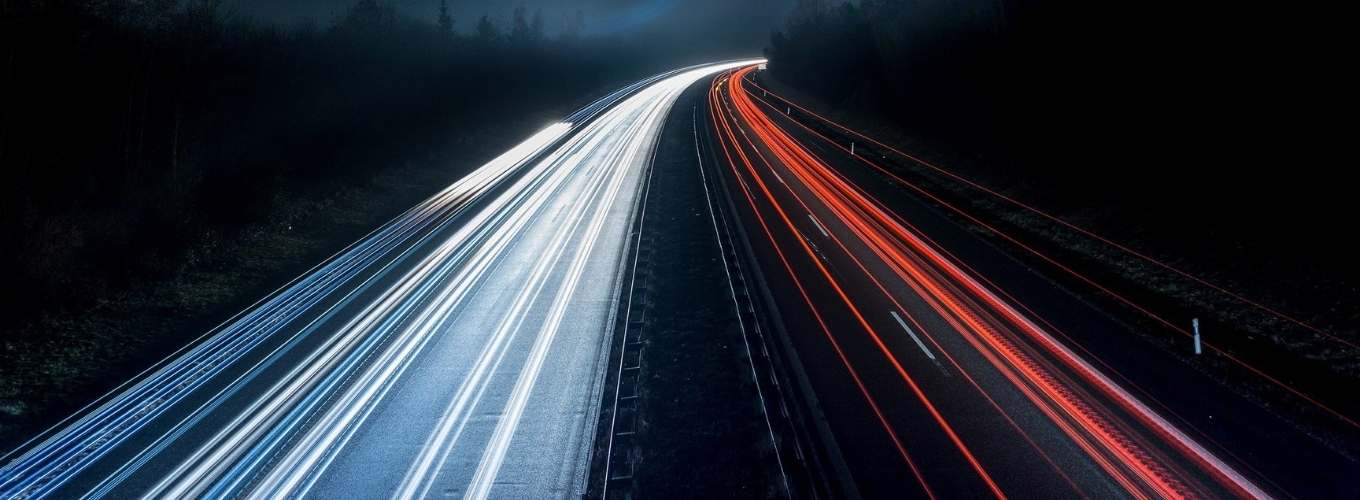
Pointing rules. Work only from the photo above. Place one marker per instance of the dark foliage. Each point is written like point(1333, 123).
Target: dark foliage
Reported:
point(1199, 131)
point(132, 132)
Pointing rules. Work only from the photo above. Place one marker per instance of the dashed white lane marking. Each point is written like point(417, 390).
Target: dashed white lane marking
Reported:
point(913, 335)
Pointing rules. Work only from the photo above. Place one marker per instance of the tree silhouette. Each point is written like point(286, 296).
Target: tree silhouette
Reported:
point(369, 18)
point(536, 26)
point(519, 26)
point(487, 31)
point(193, 119)
point(445, 21)
point(575, 25)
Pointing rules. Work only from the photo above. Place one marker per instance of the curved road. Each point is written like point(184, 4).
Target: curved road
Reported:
point(936, 381)
point(457, 350)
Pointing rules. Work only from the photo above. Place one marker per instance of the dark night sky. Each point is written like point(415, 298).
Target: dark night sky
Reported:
point(742, 25)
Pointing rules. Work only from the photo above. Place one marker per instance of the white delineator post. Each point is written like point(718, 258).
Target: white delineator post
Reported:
point(852, 148)
point(1195, 323)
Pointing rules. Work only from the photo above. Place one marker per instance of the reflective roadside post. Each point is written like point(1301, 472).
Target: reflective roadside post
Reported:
point(1195, 323)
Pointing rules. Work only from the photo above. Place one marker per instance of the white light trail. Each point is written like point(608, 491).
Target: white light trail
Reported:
point(72, 449)
point(511, 281)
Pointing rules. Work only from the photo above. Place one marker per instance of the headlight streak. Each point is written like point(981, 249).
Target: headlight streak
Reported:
point(655, 103)
point(552, 133)
point(49, 464)
point(287, 435)
point(298, 466)
point(440, 442)
point(956, 296)
point(483, 238)
point(288, 477)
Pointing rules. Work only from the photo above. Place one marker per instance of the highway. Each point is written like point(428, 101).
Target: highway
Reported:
point(456, 350)
point(463, 348)
point(937, 359)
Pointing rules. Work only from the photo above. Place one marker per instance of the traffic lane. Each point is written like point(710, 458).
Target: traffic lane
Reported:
point(877, 469)
point(583, 169)
point(191, 430)
point(996, 421)
point(299, 330)
point(238, 403)
point(1003, 449)
point(634, 149)
point(880, 326)
point(160, 446)
point(1224, 418)
point(403, 424)
point(562, 410)
point(1154, 456)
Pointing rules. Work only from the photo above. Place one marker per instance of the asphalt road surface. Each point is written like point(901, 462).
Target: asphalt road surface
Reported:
point(939, 362)
point(457, 350)
point(462, 348)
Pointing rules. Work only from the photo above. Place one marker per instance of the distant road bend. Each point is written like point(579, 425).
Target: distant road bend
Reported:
point(456, 350)
point(934, 380)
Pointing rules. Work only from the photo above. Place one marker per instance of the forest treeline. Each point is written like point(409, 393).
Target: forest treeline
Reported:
point(133, 133)
point(1203, 131)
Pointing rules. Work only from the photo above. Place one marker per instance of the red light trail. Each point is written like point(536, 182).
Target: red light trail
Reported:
point(1139, 450)
point(1181, 330)
point(1091, 234)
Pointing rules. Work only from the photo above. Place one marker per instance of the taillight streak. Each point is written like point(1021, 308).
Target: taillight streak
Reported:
point(1181, 330)
point(903, 251)
point(873, 334)
point(925, 331)
point(1086, 232)
point(835, 345)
